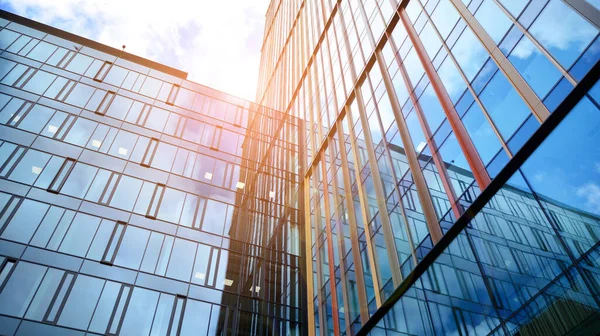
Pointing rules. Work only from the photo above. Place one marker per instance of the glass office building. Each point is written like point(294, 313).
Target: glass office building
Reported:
point(452, 176)
point(136, 202)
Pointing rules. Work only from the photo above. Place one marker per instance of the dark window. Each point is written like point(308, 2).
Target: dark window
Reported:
point(105, 103)
point(103, 71)
point(150, 151)
point(61, 176)
point(113, 244)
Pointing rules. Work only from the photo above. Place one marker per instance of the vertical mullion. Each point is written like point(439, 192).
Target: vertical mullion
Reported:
point(358, 267)
point(473, 159)
point(309, 263)
point(433, 225)
point(340, 233)
point(394, 262)
point(536, 106)
point(364, 210)
point(330, 253)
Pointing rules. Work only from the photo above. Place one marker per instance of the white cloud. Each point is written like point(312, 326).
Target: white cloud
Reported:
point(591, 193)
point(217, 42)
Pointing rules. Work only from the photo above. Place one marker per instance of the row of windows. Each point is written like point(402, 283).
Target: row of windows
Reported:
point(64, 298)
point(117, 243)
point(113, 74)
point(120, 143)
point(76, 179)
point(116, 106)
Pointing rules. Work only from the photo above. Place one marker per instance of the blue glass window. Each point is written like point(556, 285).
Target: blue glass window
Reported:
point(570, 159)
point(535, 68)
point(567, 40)
point(504, 105)
point(483, 136)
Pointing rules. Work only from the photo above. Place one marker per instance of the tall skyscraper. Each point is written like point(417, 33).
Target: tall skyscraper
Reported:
point(411, 168)
point(136, 202)
point(452, 176)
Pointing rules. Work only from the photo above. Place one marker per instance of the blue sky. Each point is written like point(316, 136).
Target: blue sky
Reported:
point(217, 42)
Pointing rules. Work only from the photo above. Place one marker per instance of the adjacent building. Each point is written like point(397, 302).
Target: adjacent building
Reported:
point(452, 175)
point(136, 202)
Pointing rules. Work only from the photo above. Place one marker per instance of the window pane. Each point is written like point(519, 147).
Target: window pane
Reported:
point(36, 119)
point(182, 260)
point(30, 167)
point(171, 205)
point(7, 37)
point(79, 237)
point(164, 156)
point(482, 135)
point(132, 247)
point(469, 53)
point(101, 240)
point(565, 169)
point(80, 63)
point(81, 302)
point(214, 219)
point(535, 68)
point(39, 82)
point(444, 17)
point(151, 87)
point(119, 107)
point(79, 180)
point(19, 289)
point(25, 221)
point(123, 144)
point(80, 132)
point(201, 264)
point(116, 75)
point(567, 40)
point(80, 95)
point(105, 307)
point(45, 293)
point(196, 318)
point(504, 105)
point(452, 80)
point(493, 20)
point(126, 193)
point(140, 312)
point(163, 315)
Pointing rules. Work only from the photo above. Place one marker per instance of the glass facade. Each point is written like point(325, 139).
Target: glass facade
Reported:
point(136, 202)
point(452, 167)
point(408, 168)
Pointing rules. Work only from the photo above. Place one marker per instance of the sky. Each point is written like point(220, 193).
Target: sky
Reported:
point(216, 42)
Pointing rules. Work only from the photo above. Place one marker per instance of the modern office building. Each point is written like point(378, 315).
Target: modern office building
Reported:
point(452, 176)
point(407, 168)
point(136, 202)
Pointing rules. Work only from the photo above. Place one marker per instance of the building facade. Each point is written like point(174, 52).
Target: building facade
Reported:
point(452, 176)
point(136, 202)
